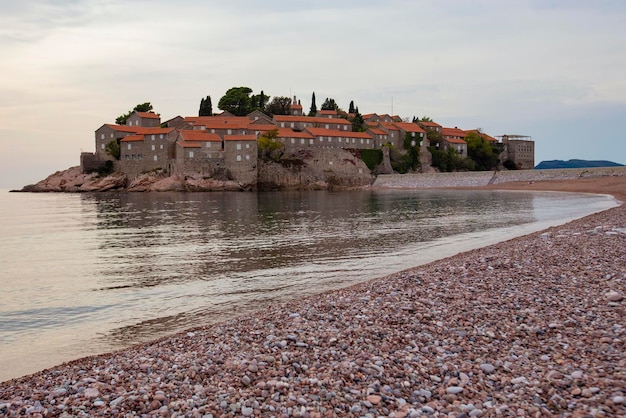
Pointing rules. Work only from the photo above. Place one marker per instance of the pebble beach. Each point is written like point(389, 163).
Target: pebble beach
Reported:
point(534, 326)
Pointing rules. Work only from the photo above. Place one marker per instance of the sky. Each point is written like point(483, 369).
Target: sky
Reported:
point(553, 70)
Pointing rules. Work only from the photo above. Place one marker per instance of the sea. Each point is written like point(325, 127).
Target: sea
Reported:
point(83, 274)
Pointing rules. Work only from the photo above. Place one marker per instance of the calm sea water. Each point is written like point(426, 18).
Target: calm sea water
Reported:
point(82, 274)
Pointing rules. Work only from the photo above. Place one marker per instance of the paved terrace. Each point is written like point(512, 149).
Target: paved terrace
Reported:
point(484, 178)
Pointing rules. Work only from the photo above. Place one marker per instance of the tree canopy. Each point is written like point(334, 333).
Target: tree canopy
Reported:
point(143, 107)
point(237, 101)
point(485, 156)
point(329, 104)
point(206, 107)
point(280, 105)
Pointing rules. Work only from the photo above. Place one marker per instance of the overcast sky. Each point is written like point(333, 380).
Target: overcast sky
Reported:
point(553, 70)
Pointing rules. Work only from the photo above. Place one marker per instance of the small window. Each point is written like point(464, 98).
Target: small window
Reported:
point(247, 146)
point(247, 157)
point(311, 141)
point(156, 157)
point(239, 158)
point(230, 131)
point(112, 134)
point(190, 154)
point(161, 136)
point(345, 128)
point(101, 136)
point(208, 145)
point(161, 146)
point(153, 147)
point(238, 147)
point(293, 125)
point(327, 126)
point(101, 146)
point(134, 156)
point(302, 141)
point(130, 146)
point(293, 140)
point(153, 137)
point(140, 156)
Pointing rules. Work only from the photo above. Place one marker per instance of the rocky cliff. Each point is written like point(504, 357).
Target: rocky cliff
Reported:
point(307, 169)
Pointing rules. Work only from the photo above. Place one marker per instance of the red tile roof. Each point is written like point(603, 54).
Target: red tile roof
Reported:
point(132, 138)
point(140, 130)
point(455, 141)
point(148, 115)
point(290, 133)
point(431, 124)
point(219, 122)
point(409, 127)
point(484, 135)
point(377, 131)
point(310, 119)
point(337, 133)
point(327, 112)
point(187, 144)
point(239, 137)
point(193, 135)
point(453, 132)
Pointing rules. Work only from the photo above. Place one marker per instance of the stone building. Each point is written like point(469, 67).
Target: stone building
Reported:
point(520, 149)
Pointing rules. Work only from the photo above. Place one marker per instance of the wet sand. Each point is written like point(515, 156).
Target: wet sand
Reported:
point(533, 326)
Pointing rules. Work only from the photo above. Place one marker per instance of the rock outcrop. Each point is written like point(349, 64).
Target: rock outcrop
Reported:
point(311, 169)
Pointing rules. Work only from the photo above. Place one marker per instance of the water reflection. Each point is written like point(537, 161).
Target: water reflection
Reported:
point(175, 259)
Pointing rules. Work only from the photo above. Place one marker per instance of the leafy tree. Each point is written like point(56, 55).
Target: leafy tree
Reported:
point(449, 160)
point(479, 150)
point(329, 104)
point(236, 101)
point(313, 109)
point(433, 135)
point(351, 107)
point(358, 124)
point(206, 107)
point(143, 107)
point(426, 119)
point(278, 106)
point(112, 148)
point(259, 101)
point(269, 147)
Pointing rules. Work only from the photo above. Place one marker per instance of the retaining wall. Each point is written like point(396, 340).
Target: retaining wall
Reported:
point(483, 178)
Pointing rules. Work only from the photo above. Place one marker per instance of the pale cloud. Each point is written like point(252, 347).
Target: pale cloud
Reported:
point(69, 66)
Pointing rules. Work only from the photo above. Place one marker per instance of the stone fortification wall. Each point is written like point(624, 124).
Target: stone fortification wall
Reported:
point(484, 178)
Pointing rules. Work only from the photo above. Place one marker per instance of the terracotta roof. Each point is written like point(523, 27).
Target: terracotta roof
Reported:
point(454, 132)
point(295, 106)
point(310, 119)
point(187, 144)
point(409, 127)
point(290, 133)
point(262, 127)
point(484, 135)
point(219, 122)
point(140, 130)
point(239, 137)
point(148, 115)
point(193, 135)
point(337, 133)
point(390, 126)
point(327, 112)
point(455, 141)
point(377, 131)
point(132, 138)
point(430, 124)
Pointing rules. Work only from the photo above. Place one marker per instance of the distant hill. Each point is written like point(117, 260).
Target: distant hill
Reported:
point(545, 165)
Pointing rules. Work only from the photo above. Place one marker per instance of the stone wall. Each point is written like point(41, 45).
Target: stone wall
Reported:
point(484, 178)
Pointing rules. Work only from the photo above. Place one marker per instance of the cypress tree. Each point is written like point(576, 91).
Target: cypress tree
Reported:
point(313, 109)
point(351, 107)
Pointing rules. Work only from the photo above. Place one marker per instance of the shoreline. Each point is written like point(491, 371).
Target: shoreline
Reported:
point(400, 344)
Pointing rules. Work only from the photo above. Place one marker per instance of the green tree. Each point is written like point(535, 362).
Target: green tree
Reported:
point(269, 147)
point(313, 109)
point(259, 101)
point(143, 107)
point(358, 124)
point(278, 106)
point(236, 101)
point(485, 156)
point(112, 148)
point(426, 119)
point(206, 107)
point(329, 104)
point(351, 107)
